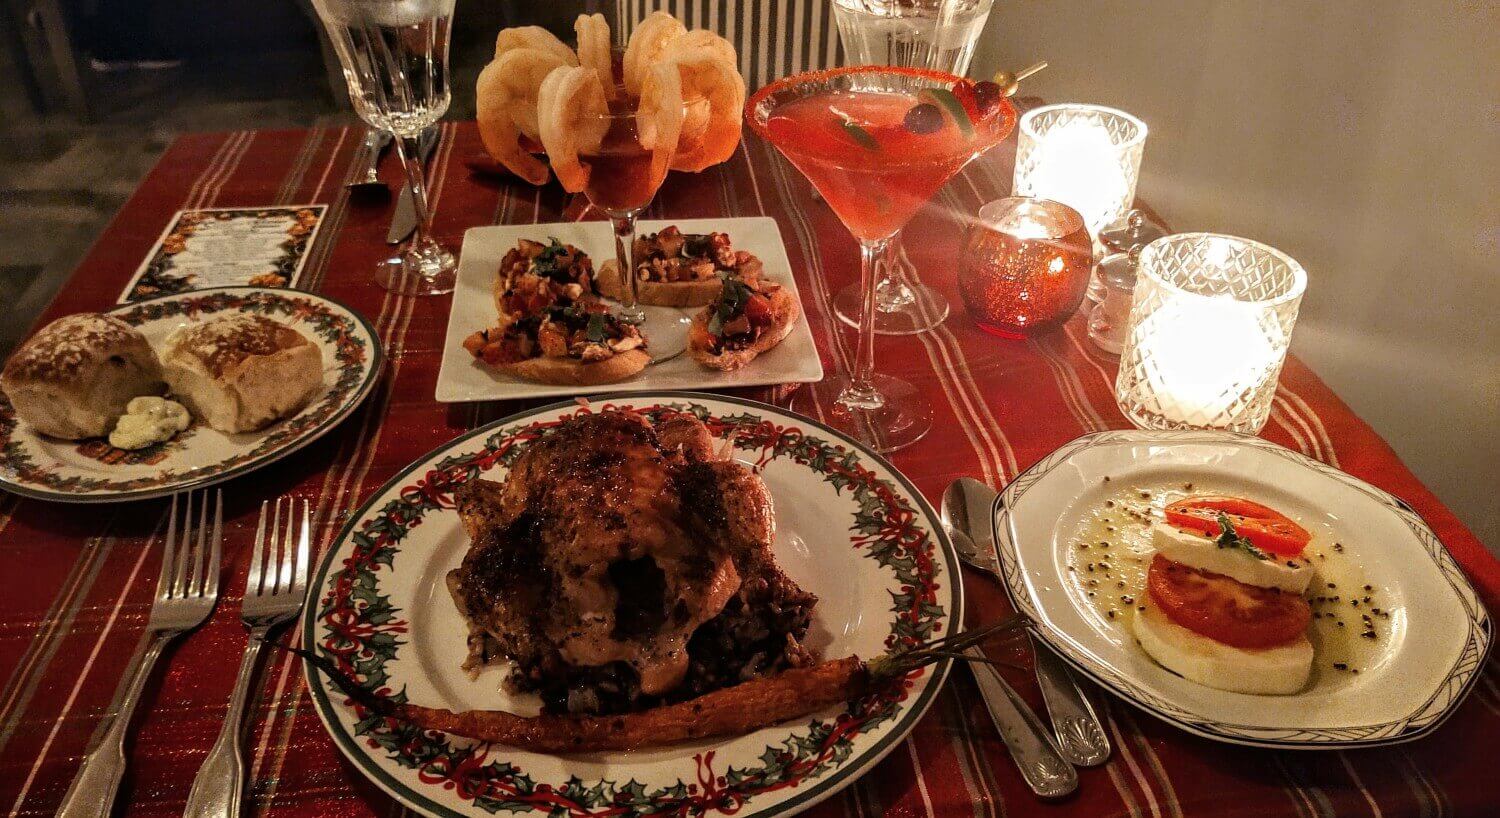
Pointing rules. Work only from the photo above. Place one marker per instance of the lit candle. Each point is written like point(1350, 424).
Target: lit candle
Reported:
point(1210, 325)
point(1024, 266)
point(1085, 156)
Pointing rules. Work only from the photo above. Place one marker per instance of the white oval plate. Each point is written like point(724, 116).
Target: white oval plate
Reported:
point(1436, 639)
point(92, 471)
point(849, 528)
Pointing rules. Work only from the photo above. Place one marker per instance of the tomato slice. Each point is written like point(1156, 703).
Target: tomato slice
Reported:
point(1265, 527)
point(1224, 609)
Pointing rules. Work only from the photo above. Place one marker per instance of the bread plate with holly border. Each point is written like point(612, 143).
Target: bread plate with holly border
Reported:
point(849, 528)
point(92, 471)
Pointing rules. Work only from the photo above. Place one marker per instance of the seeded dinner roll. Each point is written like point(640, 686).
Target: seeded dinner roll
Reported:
point(74, 377)
point(240, 373)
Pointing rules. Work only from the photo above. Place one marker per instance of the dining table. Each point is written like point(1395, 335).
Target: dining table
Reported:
point(78, 578)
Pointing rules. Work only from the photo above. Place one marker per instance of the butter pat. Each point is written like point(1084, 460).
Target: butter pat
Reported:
point(147, 421)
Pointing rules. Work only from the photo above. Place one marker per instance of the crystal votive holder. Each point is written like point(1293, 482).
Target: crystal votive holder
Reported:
point(1086, 156)
point(1025, 266)
point(1210, 323)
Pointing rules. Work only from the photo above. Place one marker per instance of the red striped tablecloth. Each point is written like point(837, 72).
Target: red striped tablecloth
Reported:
point(78, 579)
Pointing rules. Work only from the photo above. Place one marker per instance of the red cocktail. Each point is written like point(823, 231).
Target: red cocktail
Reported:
point(877, 142)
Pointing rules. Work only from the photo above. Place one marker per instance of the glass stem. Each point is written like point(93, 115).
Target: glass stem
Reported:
point(409, 149)
point(861, 392)
point(891, 293)
point(624, 224)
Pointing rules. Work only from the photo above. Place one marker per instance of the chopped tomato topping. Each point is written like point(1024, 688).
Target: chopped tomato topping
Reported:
point(1265, 527)
point(758, 310)
point(1224, 609)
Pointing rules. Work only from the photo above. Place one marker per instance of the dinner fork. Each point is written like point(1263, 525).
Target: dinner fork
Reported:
point(273, 594)
point(185, 595)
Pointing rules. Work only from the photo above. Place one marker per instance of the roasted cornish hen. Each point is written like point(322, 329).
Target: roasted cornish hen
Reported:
point(622, 564)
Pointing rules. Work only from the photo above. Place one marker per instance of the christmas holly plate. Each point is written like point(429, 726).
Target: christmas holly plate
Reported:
point(849, 528)
point(92, 471)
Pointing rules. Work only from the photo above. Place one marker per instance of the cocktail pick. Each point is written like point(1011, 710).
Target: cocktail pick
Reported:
point(1009, 83)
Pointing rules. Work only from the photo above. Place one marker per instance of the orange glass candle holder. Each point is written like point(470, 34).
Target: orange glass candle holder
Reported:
point(1025, 266)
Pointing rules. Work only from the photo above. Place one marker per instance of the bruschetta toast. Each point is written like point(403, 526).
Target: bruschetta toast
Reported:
point(746, 319)
point(580, 344)
point(534, 276)
point(676, 269)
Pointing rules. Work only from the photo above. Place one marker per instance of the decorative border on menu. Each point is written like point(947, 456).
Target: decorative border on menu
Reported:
point(157, 276)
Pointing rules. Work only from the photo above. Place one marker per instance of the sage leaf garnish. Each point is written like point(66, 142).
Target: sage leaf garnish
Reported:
point(956, 109)
point(860, 135)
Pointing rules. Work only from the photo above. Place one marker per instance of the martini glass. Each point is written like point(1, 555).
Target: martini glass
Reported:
point(877, 142)
point(936, 34)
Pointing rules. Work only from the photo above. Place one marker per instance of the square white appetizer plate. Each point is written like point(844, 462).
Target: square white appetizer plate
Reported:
point(462, 378)
point(1431, 633)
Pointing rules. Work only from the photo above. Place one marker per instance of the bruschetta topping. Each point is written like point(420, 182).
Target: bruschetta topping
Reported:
point(534, 276)
point(586, 331)
point(740, 314)
point(674, 257)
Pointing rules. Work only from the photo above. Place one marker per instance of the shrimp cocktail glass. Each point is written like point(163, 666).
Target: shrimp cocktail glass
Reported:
point(395, 59)
point(877, 142)
point(615, 146)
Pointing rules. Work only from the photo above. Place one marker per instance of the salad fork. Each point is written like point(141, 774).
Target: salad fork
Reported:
point(185, 596)
point(273, 594)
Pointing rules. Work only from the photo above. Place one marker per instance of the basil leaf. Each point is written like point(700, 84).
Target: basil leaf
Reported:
point(956, 109)
point(595, 331)
point(1229, 538)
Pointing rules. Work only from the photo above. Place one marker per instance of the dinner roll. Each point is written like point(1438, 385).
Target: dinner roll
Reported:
point(241, 372)
point(72, 379)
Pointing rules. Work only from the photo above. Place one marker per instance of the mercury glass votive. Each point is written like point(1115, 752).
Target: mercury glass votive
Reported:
point(1085, 156)
point(1210, 323)
point(1025, 265)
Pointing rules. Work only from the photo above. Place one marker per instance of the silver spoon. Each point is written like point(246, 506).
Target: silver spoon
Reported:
point(968, 510)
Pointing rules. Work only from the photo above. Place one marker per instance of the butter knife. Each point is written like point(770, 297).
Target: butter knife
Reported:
point(404, 221)
point(1036, 755)
point(968, 507)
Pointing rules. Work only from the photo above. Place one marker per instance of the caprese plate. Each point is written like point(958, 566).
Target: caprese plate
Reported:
point(1399, 634)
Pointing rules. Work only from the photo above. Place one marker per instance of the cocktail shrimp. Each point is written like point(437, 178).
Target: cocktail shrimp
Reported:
point(533, 37)
point(650, 38)
point(594, 49)
point(572, 113)
point(658, 117)
point(707, 65)
point(506, 107)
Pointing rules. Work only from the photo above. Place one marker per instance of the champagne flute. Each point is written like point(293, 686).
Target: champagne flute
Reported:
point(394, 54)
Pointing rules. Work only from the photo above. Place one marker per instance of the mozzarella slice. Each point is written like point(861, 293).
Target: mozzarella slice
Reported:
point(1286, 573)
point(1277, 671)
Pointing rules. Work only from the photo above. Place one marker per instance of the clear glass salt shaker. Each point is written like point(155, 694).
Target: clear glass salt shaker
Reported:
point(1114, 278)
point(1135, 229)
point(1109, 321)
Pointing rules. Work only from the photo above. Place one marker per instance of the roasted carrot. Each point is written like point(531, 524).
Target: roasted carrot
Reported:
point(731, 711)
